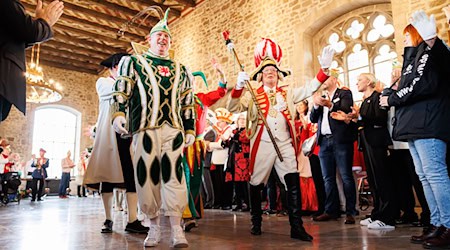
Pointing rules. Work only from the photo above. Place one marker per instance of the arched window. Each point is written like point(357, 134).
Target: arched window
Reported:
point(364, 43)
point(57, 130)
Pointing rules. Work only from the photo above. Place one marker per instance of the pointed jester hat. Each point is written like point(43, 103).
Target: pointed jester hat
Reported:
point(267, 52)
point(162, 24)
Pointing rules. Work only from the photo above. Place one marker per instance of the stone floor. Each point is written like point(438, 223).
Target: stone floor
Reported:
point(75, 223)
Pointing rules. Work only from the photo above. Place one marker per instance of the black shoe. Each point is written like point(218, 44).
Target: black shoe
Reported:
point(136, 227)
point(237, 209)
point(300, 234)
point(39, 199)
point(189, 224)
point(256, 230)
point(33, 200)
point(226, 208)
point(107, 226)
point(270, 212)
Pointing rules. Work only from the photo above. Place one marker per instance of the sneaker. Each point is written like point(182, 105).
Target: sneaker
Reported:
point(136, 227)
point(365, 222)
point(153, 236)
point(107, 226)
point(178, 239)
point(377, 224)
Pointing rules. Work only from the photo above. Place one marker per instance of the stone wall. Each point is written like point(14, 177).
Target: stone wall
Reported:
point(79, 94)
point(291, 23)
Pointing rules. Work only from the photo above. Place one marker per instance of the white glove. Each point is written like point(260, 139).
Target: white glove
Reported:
point(424, 25)
point(190, 139)
point(327, 57)
point(118, 125)
point(242, 77)
point(230, 46)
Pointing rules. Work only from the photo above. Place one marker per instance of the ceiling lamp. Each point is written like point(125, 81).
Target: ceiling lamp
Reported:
point(38, 89)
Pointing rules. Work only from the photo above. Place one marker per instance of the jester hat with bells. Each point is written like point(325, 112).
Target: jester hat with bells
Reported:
point(267, 52)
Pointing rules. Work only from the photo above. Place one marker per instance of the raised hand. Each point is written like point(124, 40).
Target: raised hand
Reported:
point(219, 70)
point(327, 57)
point(426, 26)
point(51, 13)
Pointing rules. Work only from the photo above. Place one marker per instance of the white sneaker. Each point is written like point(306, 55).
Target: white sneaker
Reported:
point(178, 238)
point(365, 222)
point(153, 236)
point(379, 225)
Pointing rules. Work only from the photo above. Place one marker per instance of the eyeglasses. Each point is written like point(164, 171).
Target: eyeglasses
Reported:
point(265, 71)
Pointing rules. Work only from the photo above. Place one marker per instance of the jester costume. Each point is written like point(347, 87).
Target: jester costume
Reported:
point(194, 154)
point(155, 94)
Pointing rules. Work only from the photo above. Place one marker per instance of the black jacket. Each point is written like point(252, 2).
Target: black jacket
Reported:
point(374, 122)
point(422, 100)
point(342, 133)
point(18, 30)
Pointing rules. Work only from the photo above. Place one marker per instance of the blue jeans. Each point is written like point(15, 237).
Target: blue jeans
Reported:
point(429, 161)
point(337, 156)
point(64, 184)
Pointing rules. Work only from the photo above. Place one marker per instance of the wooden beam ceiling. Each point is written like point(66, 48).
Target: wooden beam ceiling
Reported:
point(87, 32)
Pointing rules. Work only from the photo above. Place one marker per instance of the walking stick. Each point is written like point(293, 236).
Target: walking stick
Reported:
point(226, 36)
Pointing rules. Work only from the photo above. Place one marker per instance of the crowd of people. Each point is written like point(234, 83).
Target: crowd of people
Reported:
point(157, 139)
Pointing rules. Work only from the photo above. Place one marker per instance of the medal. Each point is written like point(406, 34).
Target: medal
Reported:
point(273, 112)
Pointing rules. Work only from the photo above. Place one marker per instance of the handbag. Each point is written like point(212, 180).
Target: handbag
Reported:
point(308, 145)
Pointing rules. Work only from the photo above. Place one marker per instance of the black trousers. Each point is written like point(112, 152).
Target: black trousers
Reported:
point(405, 177)
point(80, 189)
point(241, 190)
point(317, 176)
point(218, 181)
point(380, 181)
point(37, 189)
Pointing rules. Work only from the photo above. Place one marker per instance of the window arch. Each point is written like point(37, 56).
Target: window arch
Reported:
point(57, 130)
point(364, 42)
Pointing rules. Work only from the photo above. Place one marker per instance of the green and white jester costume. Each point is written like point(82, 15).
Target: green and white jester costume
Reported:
point(155, 95)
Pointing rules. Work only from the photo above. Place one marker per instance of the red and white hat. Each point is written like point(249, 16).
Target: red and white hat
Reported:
point(267, 48)
point(267, 52)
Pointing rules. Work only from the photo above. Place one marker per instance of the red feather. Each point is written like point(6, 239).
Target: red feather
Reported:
point(226, 35)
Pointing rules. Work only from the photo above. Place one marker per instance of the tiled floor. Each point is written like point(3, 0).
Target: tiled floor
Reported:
point(75, 223)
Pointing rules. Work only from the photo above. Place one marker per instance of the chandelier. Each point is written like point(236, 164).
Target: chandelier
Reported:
point(38, 89)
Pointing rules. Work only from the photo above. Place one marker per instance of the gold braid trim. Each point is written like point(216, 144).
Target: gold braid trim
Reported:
point(191, 132)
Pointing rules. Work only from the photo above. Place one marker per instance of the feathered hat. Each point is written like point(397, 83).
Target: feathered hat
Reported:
point(162, 24)
point(222, 114)
point(267, 52)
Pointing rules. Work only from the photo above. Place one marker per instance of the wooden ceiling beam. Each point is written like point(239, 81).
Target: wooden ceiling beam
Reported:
point(54, 58)
point(115, 42)
point(45, 48)
point(67, 66)
point(100, 15)
point(146, 3)
point(62, 44)
point(189, 3)
point(73, 19)
point(81, 43)
point(151, 20)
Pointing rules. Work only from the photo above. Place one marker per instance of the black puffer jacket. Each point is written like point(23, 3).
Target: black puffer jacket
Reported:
point(422, 100)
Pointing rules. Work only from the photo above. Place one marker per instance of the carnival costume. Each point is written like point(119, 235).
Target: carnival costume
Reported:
point(276, 105)
point(194, 154)
point(153, 96)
